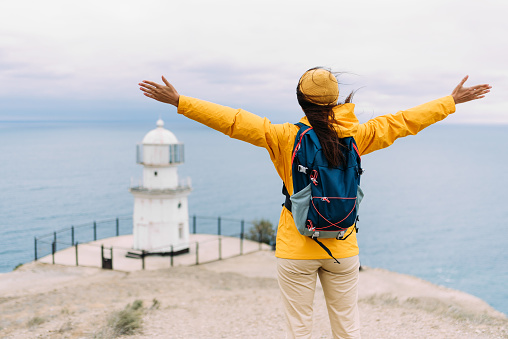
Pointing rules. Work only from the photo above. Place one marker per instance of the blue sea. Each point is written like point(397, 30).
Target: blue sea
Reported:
point(435, 204)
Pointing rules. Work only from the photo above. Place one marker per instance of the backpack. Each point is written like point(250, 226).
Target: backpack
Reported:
point(325, 199)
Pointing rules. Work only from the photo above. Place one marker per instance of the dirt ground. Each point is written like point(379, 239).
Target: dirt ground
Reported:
point(233, 298)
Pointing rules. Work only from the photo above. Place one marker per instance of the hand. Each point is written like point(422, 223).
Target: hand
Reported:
point(167, 94)
point(464, 94)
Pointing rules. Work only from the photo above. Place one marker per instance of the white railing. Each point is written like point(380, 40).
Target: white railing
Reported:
point(182, 183)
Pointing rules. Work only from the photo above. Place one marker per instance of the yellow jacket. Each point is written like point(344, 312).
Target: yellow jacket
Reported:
point(279, 139)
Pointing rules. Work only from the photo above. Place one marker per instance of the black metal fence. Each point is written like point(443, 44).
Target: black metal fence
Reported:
point(81, 235)
point(58, 240)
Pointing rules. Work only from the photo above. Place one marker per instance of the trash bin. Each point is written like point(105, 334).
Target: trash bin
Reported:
point(107, 263)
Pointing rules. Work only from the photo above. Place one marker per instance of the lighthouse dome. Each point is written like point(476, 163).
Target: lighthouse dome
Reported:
point(160, 136)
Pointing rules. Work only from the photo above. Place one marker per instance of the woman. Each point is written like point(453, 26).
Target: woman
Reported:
point(299, 259)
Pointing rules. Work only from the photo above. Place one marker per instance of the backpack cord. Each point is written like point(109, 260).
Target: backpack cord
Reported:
point(356, 229)
point(326, 249)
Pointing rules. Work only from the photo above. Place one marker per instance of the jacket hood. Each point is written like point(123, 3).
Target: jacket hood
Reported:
point(347, 123)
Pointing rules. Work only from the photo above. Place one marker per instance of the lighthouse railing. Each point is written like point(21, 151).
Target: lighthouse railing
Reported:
point(136, 184)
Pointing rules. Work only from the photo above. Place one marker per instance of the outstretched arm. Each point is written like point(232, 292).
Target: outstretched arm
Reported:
point(382, 131)
point(166, 94)
point(236, 123)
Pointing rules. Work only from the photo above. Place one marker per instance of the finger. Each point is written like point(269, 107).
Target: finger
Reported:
point(145, 90)
point(166, 82)
point(459, 86)
point(149, 95)
point(463, 80)
point(154, 84)
point(480, 86)
point(152, 90)
point(146, 86)
point(482, 91)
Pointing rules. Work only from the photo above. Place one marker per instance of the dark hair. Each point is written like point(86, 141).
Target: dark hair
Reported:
point(323, 121)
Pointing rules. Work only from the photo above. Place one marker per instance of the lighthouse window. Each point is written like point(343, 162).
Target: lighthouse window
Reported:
point(179, 204)
point(155, 173)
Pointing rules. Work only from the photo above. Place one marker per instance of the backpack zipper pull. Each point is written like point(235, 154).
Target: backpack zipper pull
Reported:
point(313, 177)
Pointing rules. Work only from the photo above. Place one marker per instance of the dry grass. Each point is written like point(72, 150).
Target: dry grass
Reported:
point(124, 322)
point(35, 321)
point(437, 307)
point(66, 327)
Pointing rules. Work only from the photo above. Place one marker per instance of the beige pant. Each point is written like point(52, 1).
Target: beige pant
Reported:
point(297, 282)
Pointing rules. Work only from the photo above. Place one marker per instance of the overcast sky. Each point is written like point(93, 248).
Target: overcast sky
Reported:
point(83, 59)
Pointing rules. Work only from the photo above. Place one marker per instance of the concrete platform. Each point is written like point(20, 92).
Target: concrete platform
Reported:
point(203, 248)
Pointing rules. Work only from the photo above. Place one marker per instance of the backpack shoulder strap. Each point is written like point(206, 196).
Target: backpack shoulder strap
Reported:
point(299, 136)
point(287, 203)
point(353, 143)
point(301, 124)
point(355, 148)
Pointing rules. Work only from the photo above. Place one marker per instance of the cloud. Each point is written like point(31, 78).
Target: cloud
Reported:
point(251, 54)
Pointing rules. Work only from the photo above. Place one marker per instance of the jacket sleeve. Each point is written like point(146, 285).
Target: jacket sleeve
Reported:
point(242, 125)
point(382, 131)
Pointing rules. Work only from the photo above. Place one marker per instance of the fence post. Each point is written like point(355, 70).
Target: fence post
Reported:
point(143, 259)
point(35, 248)
point(220, 248)
point(197, 253)
point(102, 255)
point(172, 254)
point(53, 250)
point(76, 246)
point(117, 227)
point(194, 224)
point(260, 239)
point(54, 239)
point(111, 256)
point(218, 226)
point(94, 231)
point(72, 235)
point(242, 236)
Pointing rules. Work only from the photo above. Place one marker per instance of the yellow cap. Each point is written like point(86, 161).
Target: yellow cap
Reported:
point(319, 87)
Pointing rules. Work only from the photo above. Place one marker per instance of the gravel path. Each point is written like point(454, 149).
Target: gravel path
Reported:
point(234, 298)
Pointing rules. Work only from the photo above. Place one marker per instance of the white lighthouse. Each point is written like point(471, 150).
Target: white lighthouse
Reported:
point(161, 217)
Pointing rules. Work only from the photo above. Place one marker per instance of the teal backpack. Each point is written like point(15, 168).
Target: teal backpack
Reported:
point(325, 199)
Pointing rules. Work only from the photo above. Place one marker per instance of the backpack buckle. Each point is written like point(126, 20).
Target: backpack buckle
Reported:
point(315, 234)
point(302, 169)
point(340, 235)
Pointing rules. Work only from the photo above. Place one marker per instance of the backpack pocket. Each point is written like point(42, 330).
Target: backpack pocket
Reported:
point(300, 202)
point(324, 213)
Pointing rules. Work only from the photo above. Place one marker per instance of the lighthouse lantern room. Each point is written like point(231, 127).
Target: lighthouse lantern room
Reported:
point(161, 217)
